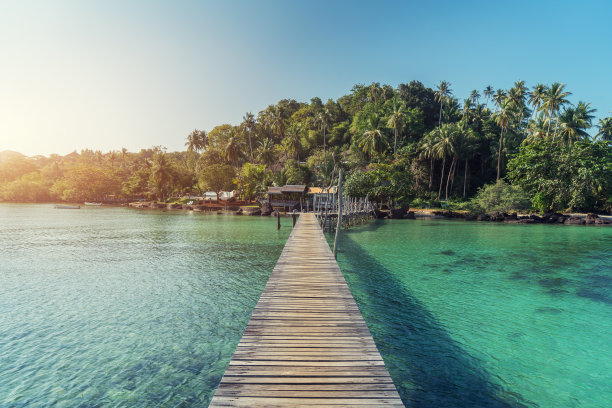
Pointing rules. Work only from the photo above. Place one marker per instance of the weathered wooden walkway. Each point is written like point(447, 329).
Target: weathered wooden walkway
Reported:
point(306, 342)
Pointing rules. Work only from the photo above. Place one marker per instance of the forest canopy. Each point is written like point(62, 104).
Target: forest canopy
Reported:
point(410, 144)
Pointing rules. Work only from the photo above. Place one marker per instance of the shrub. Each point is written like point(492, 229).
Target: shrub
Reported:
point(499, 198)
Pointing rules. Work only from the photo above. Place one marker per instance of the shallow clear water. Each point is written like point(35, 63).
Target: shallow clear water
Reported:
point(487, 315)
point(119, 307)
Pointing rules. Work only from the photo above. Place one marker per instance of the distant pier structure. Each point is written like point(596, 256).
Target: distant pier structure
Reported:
point(306, 343)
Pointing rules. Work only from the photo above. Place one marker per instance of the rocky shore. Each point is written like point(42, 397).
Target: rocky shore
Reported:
point(514, 218)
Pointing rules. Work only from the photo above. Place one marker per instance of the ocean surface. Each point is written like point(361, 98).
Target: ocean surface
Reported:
point(471, 314)
point(126, 308)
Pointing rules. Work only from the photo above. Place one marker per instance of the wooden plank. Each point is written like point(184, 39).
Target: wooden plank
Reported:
point(306, 343)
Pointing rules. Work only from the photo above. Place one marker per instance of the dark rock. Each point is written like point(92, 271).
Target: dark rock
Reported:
point(535, 218)
point(266, 209)
point(397, 213)
point(380, 214)
point(483, 217)
point(470, 217)
point(199, 207)
point(158, 205)
point(602, 221)
point(175, 206)
point(255, 211)
point(527, 221)
point(575, 221)
point(187, 207)
point(591, 218)
point(239, 212)
point(410, 215)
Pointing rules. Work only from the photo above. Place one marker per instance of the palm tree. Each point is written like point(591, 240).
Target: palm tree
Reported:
point(502, 118)
point(292, 141)
point(474, 96)
point(396, 120)
point(196, 141)
point(374, 91)
point(517, 95)
point(536, 97)
point(575, 121)
point(467, 106)
point(265, 151)
point(488, 93)
point(554, 100)
point(605, 129)
point(248, 121)
point(499, 97)
point(466, 149)
point(372, 140)
point(445, 147)
point(441, 94)
point(322, 119)
point(428, 151)
point(161, 173)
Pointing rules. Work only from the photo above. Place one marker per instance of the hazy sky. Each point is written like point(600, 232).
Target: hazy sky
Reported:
point(112, 74)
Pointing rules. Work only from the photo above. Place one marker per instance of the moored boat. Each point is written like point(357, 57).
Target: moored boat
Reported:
point(66, 207)
point(92, 204)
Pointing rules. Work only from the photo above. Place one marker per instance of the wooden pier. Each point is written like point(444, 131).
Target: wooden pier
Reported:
point(306, 342)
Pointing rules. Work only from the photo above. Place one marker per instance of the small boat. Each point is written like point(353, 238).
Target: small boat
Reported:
point(92, 204)
point(66, 207)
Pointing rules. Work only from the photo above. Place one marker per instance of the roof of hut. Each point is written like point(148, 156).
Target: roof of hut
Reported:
point(322, 190)
point(294, 188)
point(275, 190)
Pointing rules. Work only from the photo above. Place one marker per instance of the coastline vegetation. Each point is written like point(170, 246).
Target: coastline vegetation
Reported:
point(405, 146)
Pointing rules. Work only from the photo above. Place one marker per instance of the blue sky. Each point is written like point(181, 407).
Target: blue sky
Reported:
point(112, 74)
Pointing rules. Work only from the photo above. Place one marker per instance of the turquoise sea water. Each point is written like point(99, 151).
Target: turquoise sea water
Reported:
point(473, 314)
point(123, 308)
point(118, 307)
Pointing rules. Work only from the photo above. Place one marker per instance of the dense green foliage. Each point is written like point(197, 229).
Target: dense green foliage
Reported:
point(409, 144)
point(500, 198)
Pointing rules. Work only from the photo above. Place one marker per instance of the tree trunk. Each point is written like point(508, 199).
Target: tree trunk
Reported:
point(250, 146)
point(441, 178)
point(501, 135)
point(431, 172)
point(450, 169)
point(395, 143)
point(465, 177)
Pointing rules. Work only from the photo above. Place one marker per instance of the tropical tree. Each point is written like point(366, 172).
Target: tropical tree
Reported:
point(499, 97)
point(442, 93)
point(554, 99)
point(605, 129)
point(488, 93)
point(265, 151)
point(196, 141)
point(574, 122)
point(445, 147)
point(248, 122)
point(372, 140)
point(536, 97)
point(474, 96)
point(502, 118)
point(162, 174)
point(396, 120)
point(427, 150)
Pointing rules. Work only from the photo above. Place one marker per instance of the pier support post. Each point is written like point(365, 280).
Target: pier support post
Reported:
point(277, 219)
point(339, 225)
point(294, 217)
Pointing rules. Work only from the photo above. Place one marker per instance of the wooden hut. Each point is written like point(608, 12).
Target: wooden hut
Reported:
point(289, 197)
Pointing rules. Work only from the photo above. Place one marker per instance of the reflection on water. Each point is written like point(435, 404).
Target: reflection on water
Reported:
point(487, 315)
point(118, 307)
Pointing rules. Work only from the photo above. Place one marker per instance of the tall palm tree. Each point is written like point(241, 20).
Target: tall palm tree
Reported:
point(536, 97)
point(574, 122)
point(467, 107)
point(161, 173)
point(374, 90)
point(248, 121)
point(499, 97)
point(292, 140)
point(605, 129)
point(322, 119)
point(372, 140)
point(517, 95)
point(196, 141)
point(427, 150)
point(502, 118)
point(441, 94)
point(554, 100)
point(265, 151)
point(396, 121)
point(445, 147)
point(488, 93)
point(466, 147)
point(474, 96)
